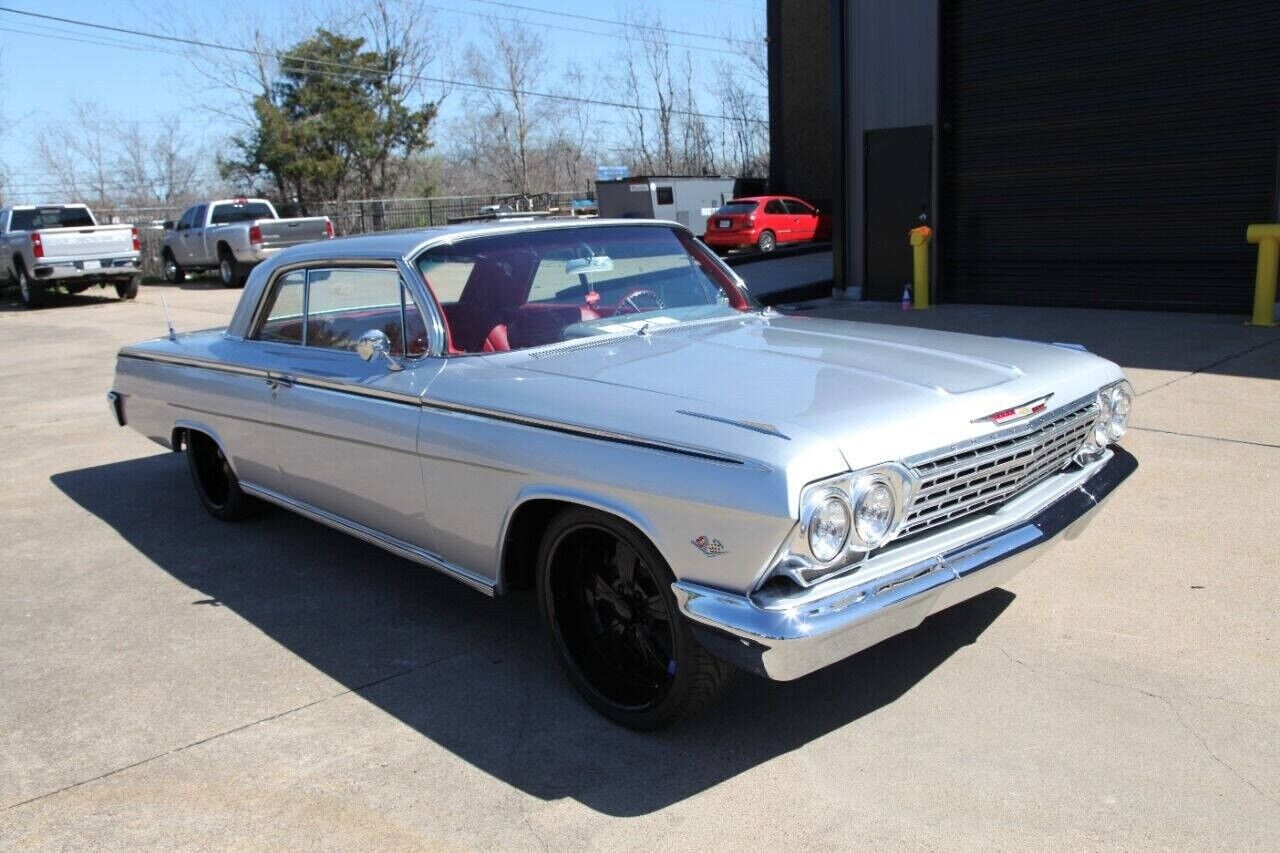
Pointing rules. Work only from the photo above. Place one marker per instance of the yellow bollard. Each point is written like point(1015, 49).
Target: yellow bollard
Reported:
point(1264, 284)
point(919, 238)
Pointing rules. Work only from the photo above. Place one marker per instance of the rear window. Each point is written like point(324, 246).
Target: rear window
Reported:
point(50, 217)
point(738, 207)
point(224, 214)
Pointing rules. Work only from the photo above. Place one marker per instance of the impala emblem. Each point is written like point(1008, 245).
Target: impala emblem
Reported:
point(1017, 413)
point(708, 546)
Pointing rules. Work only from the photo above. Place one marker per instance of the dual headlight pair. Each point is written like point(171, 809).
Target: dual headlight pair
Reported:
point(1115, 403)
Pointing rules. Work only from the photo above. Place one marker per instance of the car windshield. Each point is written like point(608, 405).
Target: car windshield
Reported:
point(51, 217)
point(516, 291)
point(224, 214)
point(738, 207)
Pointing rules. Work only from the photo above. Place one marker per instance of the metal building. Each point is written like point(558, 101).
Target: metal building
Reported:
point(1066, 152)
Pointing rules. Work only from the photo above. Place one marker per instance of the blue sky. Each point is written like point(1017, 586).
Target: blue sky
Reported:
point(47, 64)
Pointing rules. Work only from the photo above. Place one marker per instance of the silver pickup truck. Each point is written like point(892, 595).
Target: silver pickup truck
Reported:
point(233, 235)
point(47, 246)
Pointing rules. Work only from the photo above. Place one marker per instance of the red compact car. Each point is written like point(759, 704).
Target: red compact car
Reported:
point(764, 222)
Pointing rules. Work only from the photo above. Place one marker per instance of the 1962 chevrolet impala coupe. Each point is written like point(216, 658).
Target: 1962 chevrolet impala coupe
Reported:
point(691, 484)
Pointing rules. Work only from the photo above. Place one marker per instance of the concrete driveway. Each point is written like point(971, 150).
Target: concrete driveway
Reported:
point(169, 680)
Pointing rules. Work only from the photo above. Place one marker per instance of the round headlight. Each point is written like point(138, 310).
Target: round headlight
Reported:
point(1103, 424)
point(873, 513)
point(829, 529)
point(1121, 405)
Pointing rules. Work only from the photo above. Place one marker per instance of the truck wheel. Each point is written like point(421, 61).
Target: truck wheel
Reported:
point(215, 482)
point(129, 289)
point(173, 273)
point(604, 593)
point(767, 242)
point(33, 295)
point(229, 270)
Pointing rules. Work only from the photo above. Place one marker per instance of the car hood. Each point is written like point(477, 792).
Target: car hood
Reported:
point(873, 392)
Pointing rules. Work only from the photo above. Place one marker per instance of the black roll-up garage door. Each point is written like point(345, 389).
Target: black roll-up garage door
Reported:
point(1107, 153)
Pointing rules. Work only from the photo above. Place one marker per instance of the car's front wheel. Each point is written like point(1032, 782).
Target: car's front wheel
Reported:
point(215, 482)
point(173, 273)
point(605, 596)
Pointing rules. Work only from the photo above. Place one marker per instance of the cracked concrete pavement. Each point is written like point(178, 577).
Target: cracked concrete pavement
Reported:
point(168, 680)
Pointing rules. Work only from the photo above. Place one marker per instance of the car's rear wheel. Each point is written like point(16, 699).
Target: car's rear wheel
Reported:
point(129, 289)
point(32, 293)
point(767, 242)
point(216, 484)
point(173, 273)
point(229, 272)
point(605, 596)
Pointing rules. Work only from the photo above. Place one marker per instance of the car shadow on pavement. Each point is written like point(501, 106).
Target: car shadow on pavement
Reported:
point(475, 675)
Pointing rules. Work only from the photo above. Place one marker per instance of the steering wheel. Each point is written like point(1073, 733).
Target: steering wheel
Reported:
point(630, 300)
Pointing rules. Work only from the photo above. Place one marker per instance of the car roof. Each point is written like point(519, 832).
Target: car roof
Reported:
point(410, 241)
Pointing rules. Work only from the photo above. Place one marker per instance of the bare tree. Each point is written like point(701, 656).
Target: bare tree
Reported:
point(77, 152)
point(503, 121)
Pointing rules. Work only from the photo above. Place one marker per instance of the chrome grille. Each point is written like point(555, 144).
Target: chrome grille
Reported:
point(954, 485)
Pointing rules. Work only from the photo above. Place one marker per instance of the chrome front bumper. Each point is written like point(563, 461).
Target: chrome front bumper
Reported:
point(782, 643)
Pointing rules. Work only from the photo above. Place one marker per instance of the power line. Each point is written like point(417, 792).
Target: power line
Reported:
point(357, 69)
point(613, 22)
point(613, 35)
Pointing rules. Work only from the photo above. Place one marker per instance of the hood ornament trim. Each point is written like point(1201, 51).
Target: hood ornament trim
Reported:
point(754, 426)
point(1017, 413)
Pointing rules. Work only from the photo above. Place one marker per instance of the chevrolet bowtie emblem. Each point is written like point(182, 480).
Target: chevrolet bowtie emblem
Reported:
point(1017, 413)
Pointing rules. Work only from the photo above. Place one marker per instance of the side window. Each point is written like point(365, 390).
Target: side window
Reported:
point(185, 222)
point(344, 303)
point(795, 206)
point(774, 206)
point(284, 321)
point(197, 216)
point(666, 196)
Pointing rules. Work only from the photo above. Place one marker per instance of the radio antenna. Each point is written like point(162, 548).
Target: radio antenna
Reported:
point(173, 336)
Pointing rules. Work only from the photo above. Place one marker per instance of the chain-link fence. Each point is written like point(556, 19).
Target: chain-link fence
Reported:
point(363, 216)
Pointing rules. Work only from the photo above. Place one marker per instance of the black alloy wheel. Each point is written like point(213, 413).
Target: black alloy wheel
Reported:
point(605, 595)
point(215, 481)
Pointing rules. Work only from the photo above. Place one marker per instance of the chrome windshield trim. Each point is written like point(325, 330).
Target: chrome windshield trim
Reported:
point(374, 537)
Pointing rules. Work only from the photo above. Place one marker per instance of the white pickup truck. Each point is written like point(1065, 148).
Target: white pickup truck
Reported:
point(233, 235)
point(52, 245)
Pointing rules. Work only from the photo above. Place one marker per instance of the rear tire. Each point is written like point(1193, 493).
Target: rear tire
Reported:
point(216, 484)
point(32, 293)
point(767, 241)
point(230, 273)
point(129, 289)
point(604, 593)
point(173, 273)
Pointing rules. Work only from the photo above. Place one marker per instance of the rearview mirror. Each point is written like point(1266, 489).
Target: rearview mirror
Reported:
point(595, 263)
point(376, 343)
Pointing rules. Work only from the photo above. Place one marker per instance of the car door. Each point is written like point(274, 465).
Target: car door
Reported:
point(182, 245)
point(345, 429)
point(194, 236)
point(804, 220)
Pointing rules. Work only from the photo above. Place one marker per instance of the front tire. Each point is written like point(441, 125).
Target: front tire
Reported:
point(767, 241)
point(129, 289)
point(33, 295)
point(604, 593)
point(216, 484)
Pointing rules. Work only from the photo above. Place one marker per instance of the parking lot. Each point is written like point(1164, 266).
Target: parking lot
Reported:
point(166, 679)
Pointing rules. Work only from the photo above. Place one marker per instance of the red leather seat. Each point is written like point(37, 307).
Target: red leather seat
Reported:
point(494, 290)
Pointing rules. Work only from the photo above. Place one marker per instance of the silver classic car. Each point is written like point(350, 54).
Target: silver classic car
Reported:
point(691, 484)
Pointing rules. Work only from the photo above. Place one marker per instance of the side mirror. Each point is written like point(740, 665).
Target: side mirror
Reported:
point(167, 225)
point(375, 343)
